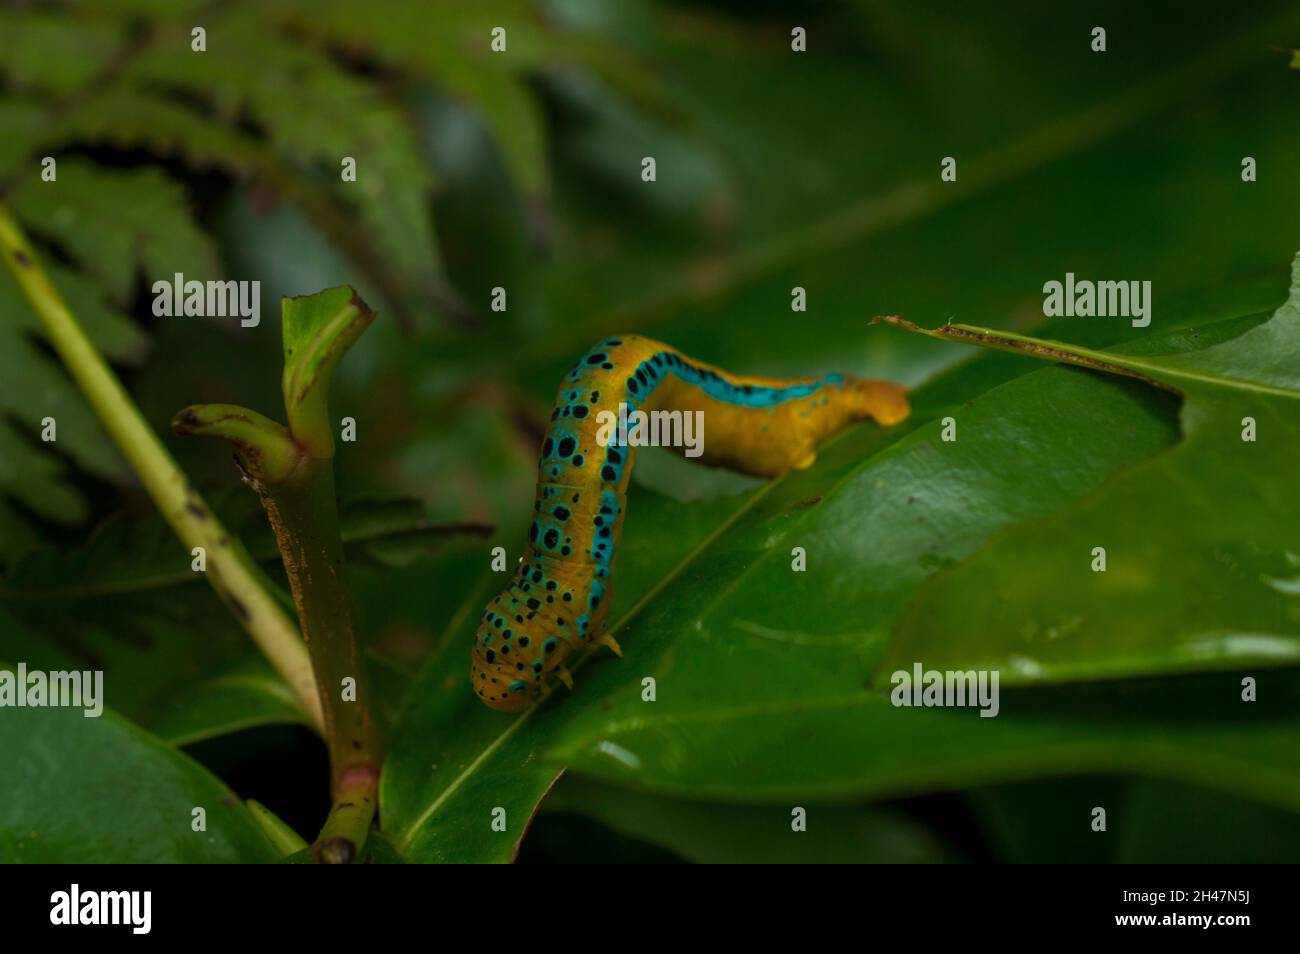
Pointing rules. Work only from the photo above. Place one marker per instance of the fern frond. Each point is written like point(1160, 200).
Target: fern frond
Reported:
point(53, 52)
point(118, 223)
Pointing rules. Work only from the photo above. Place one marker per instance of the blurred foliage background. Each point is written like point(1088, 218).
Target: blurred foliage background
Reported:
point(522, 170)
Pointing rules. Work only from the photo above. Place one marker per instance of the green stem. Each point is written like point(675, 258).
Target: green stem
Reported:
point(229, 568)
point(344, 835)
point(304, 514)
point(291, 468)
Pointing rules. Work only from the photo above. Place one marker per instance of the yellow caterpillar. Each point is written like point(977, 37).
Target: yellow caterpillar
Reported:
point(559, 597)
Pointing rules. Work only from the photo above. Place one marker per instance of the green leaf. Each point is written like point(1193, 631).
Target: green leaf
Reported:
point(245, 694)
point(153, 645)
point(1050, 821)
point(439, 787)
point(513, 114)
point(113, 224)
point(744, 834)
point(38, 389)
point(869, 230)
point(454, 48)
point(126, 555)
point(307, 111)
point(394, 532)
point(36, 481)
point(765, 687)
point(115, 334)
point(47, 50)
point(1199, 570)
point(23, 122)
point(95, 790)
point(1165, 823)
point(285, 839)
point(128, 118)
point(1147, 822)
point(315, 113)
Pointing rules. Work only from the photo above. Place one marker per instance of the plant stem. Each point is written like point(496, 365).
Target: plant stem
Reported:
point(344, 834)
point(304, 515)
point(291, 468)
point(230, 570)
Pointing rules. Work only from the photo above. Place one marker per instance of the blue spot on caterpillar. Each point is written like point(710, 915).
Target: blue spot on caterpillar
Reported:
point(559, 597)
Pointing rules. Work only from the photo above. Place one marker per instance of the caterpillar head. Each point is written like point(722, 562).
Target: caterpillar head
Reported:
point(494, 676)
point(883, 401)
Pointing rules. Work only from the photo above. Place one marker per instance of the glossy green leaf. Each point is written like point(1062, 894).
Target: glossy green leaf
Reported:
point(1183, 561)
point(764, 676)
point(439, 787)
point(240, 695)
point(285, 839)
point(79, 789)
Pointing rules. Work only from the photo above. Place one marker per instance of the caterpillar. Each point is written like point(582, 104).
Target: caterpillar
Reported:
point(558, 599)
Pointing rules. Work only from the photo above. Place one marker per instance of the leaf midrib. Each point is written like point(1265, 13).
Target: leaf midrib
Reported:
point(746, 504)
point(413, 829)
